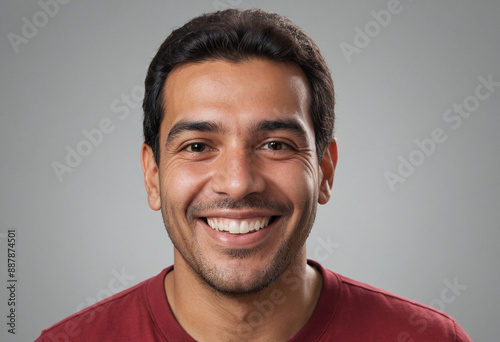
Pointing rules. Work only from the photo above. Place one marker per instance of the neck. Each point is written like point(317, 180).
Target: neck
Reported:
point(275, 313)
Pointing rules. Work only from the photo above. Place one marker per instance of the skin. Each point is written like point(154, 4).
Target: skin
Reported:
point(237, 144)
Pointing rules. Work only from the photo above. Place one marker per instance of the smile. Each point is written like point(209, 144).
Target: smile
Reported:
point(239, 226)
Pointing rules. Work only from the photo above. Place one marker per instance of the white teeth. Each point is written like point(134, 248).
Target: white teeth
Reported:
point(256, 225)
point(234, 227)
point(238, 226)
point(244, 227)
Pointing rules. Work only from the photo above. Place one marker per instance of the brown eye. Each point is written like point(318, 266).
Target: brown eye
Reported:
point(197, 147)
point(275, 145)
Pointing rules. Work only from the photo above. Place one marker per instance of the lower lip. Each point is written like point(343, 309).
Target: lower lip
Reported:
point(241, 240)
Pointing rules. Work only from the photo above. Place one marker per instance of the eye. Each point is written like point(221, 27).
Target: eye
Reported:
point(196, 147)
point(277, 146)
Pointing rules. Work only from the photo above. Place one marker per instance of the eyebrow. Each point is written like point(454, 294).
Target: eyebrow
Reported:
point(197, 126)
point(287, 125)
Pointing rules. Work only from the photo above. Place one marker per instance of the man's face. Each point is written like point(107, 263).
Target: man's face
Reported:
point(239, 178)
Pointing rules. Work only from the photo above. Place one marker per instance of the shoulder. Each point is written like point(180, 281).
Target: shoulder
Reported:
point(125, 311)
point(356, 292)
point(365, 310)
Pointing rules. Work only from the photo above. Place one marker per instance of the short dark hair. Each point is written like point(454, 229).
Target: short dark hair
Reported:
point(237, 35)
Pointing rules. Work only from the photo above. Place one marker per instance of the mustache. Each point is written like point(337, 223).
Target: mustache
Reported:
point(196, 209)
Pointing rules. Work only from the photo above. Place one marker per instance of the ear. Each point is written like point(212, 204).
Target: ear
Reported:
point(327, 168)
point(151, 177)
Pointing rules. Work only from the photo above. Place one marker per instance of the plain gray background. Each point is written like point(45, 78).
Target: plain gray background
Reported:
point(91, 233)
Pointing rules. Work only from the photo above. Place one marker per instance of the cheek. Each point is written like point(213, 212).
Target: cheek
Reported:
point(296, 180)
point(181, 182)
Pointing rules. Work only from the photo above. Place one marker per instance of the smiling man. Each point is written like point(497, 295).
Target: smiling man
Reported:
point(238, 152)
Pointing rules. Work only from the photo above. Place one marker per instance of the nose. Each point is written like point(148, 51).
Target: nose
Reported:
point(237, 175)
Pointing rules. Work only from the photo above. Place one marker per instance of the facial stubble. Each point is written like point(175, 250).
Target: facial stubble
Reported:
point(228, 282)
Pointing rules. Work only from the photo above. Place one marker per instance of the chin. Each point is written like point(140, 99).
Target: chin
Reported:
point(234, 287)
point(239, 278)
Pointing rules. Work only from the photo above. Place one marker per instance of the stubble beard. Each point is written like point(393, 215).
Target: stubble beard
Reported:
point(231, 282)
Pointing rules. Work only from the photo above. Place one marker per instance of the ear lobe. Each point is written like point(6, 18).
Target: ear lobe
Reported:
point(327, 168)
point(151, 177)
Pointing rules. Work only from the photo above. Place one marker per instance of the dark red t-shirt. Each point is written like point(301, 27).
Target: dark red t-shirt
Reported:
point(347, 310)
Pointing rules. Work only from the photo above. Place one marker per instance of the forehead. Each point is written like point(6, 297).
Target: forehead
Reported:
point(248, 89)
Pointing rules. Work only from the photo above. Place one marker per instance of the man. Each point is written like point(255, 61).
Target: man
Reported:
point(238, 151)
